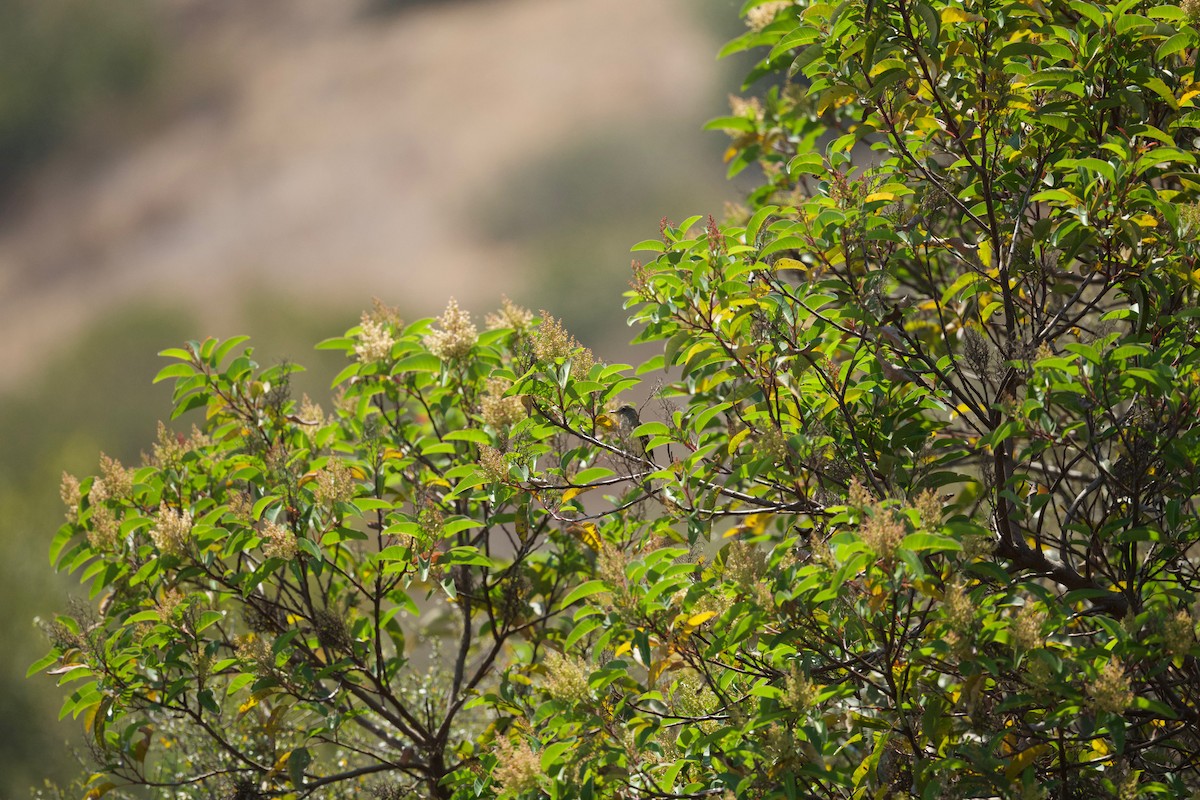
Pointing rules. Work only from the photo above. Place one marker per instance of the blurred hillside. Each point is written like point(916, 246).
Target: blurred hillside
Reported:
point(269, 167)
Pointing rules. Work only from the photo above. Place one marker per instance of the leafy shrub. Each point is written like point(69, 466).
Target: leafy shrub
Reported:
point(914, 513)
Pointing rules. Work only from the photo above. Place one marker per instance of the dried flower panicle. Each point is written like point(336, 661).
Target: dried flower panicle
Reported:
point(493, 464)
point(168, 604)
point(518, 768)
point(1179, 633)
point(335, 484)
point(959, 611)
point(1025, 631)
point(172, 530)
point(382, 312)
point(772, 445)
point(860, 496)
point(566, 677)
point(256, 651)
point(1192, 9)
point(929, 508)
point(104, 530)
point(310, 413)
point(800, 693)
point(761, 16)
point(71, 496)
point(116, 481)
point(278, 541)
point(551, 341)
point(498, 411)
point(510, 315)
point(977, 351)
point(430, 519)
point(170, 447)
point(333, 633)
point(456, 335)
point(716, 239)
point(1111, 691)
point(745, 563)
point(241, 507)
point(375, 340)
point(882, 531)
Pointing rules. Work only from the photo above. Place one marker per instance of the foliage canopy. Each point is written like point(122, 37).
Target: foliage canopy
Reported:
point(913, 510)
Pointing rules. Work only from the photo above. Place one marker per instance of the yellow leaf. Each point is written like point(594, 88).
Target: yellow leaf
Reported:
point(878, 597)
point(873, 196)
point(99, 791)
point(736, 439)
point(281, 762)
point(622, 649)
point(249, 704)
point(951, 16)
point(142, 746)
point(575, 491)
point(587, 533)
point(757, 523)
point(663, 665)
point(696, 620)
point(789, 263)
point(606, 421)
point(884, 65)
point(1022, 760)
point(1145, 221)
point(985, 253)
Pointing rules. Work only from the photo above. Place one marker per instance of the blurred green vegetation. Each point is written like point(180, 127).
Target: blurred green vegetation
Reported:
point(580, 208)
point(61, 61)
point(96, 397)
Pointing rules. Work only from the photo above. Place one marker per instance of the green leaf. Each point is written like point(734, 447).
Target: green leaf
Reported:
point(1175, 44)
point(922, 542)
point(418, 362)
point(960, 285)
point(177, 370)
point(208, 618)
point(473, 435)
point(583, 591)
point(41, 664)
point(297, 762)
point(223, 350)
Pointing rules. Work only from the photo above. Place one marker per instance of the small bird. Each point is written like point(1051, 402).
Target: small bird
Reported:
point(629, 419)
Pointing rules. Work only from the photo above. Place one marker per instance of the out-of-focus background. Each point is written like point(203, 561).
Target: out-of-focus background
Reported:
point(174, 169)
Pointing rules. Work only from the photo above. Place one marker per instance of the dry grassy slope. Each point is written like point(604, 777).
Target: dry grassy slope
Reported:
point(324, 154)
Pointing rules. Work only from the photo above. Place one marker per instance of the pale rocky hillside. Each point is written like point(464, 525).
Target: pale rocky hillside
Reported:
point(308, 149)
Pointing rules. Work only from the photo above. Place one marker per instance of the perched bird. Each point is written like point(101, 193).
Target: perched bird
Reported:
point(629, 420)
